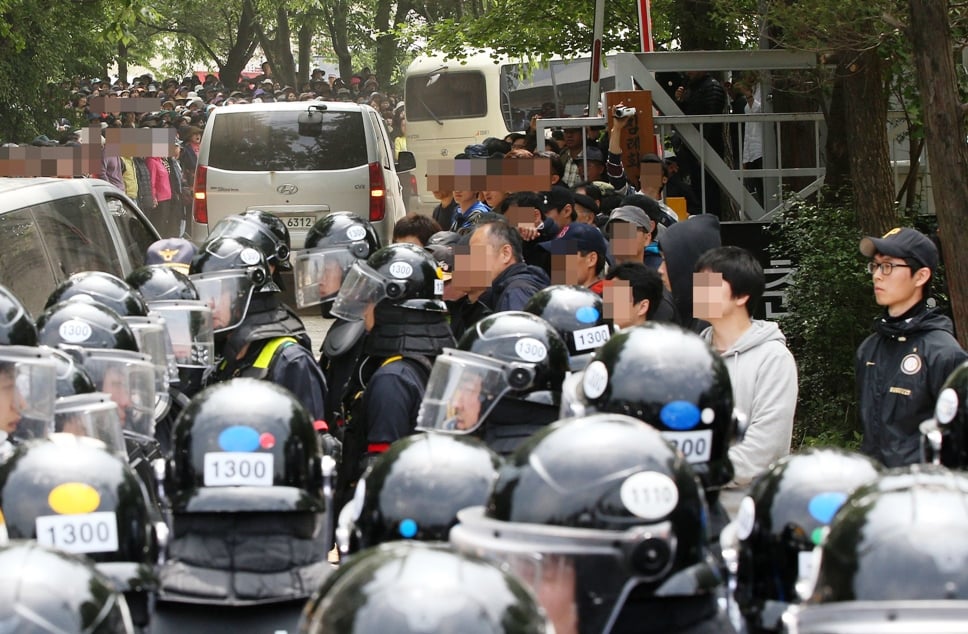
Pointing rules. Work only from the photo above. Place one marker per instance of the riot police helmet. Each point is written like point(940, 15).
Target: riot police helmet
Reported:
point(591, 512)
point(400, 275)
point(415, 489)
point(333, 244)
point(508, 355)
point(99, 287)
point(578, 314)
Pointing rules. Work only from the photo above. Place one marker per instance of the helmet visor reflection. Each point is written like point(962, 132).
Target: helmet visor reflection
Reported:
point(581, 576)
point(191, 332)
point(462, 389)
point(129, 379)
point(28, 382)
point(227, 294)
point(319, 274)
point(363, 286)
point(93, 415)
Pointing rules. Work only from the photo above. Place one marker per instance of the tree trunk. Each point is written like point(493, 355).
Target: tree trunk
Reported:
point(944, 133)
point(336, 13)
point(867, 142)
point(386, 44)
point(230, 71)
point(122, 62)
point(305, 53)
point(837, 177)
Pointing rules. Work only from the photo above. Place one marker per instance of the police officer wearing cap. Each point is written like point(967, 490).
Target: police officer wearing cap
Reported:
point(901, 367)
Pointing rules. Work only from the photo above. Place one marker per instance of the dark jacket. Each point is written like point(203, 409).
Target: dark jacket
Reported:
point(292, 364)
point(681, 246)
point(464, 313)
point(512, 289)
point(900, 370)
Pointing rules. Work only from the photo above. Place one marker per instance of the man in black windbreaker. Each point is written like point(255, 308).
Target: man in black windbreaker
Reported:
point(702, 94)
point(901, 367)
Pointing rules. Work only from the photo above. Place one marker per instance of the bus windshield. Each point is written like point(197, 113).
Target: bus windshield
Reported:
point(446, 94)
point(557, 90)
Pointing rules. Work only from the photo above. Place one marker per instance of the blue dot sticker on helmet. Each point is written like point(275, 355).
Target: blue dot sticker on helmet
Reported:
point(823, 506)
point(238, 438)
point(680, 415)
point(587, 315)
point(407, 528)
point(649, 494)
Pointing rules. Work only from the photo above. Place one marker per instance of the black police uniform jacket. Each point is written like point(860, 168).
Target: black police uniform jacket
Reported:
point(900, 370)
point(290, 364)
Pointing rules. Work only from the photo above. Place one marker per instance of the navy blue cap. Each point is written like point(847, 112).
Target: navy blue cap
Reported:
point(174, 252)
point(903, 243)
point(575, 237)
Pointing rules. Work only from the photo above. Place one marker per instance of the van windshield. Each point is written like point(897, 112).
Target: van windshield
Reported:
point(270, 141)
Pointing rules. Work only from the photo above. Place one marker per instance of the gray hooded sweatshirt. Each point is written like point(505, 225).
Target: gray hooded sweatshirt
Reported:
point(763, 373)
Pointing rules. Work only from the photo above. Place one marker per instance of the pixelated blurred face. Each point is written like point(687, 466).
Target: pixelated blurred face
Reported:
point(566, 268)
point(442, 194)
point(487, 257)
point(470, 272)
point(11, 402)
point(331, 279)
point(711, 295)
point(619, 304)
point(465, 404)
point(628, 241)
point(114, 385)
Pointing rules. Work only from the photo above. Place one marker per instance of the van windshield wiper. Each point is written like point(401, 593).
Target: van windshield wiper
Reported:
point(429, 111)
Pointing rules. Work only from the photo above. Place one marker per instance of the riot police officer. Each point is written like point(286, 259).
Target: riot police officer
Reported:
point(671, 379)
point(396, 293)
point(578, 314)
point(81, 410)
point(896, 553)
point(415, 489)
point(47, 591)
point(255, 335)
point(606, 522)
point(245, 484)
point(73, 494)
point(333, 244)
point(503, 382)
point(388, 589)
point(780, 523)
point(944, 436)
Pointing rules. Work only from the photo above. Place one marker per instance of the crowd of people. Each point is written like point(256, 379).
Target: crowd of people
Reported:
point(543, 410)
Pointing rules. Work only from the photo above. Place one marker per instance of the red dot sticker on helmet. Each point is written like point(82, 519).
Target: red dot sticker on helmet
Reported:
point(267, 441)
point(649, 494)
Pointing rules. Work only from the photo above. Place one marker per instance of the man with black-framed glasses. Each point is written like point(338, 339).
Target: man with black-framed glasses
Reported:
point(901, 367)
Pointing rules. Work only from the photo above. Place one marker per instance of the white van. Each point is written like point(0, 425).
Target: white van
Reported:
point(298, 160)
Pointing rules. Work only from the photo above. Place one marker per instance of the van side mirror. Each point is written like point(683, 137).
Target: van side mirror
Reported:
point(405, 162)
point(311, 121)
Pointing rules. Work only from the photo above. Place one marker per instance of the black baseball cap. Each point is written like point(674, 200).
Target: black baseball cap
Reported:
point(902, 242)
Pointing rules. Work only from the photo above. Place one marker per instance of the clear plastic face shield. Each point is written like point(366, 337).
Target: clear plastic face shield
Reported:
point(319, 273)
point(129, 378)
point(581, 577)
point(28, 387)
point(227, 294)
point(363, 287)
point(92, 415)
point(153, 341)
point(464, 387)
point(190, 330)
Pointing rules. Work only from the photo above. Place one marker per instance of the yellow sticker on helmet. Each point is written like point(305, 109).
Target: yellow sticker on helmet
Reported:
point(73, 498)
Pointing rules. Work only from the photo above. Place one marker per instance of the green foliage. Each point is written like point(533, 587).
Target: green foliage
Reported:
point(831, 309)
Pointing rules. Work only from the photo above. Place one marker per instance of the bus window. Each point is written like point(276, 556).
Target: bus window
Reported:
point(557, 90)
point(446, 95)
